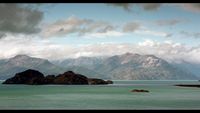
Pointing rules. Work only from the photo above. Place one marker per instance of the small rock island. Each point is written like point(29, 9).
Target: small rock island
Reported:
point(139, 90)
point(34, 77)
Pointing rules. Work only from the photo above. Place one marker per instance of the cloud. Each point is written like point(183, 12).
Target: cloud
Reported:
point(154, 33)
point(63, 27)
point(169, 35)
point(145, 6)
point(125, 6)
point(131, 26)
point(2, 35)
point(88, 28)
point(151, 6)
point(190, 34)
point(168, 22)
point(104, 34)
point(18, 19)
point(138, 28)
point(107, 28)
point(193, 7)
point(148, 42)
point(31, 46)
point(96, 27)
point(168, 50)
point(76, 25)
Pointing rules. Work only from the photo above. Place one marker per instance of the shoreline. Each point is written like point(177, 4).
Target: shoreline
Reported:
point(188, 85)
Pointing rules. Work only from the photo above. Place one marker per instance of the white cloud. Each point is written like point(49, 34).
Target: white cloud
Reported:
point(79, 26)
point(168, 22)
point(11, 46)
point(63, 27)
point(168, 50)
point(190, 34)
point(139, 28)
point(148, 42)
point(104, 34)
point(88, 28)
point(153, 33)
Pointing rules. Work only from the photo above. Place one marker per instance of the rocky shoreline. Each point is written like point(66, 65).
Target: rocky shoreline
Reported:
point(34, 77)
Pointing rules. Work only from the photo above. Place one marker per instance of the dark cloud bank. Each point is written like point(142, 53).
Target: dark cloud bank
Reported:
point(14, 18)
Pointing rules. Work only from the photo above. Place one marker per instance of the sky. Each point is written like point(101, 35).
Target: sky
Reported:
point(70, 30)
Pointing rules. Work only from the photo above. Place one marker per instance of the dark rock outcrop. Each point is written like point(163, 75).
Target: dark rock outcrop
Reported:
point(27, 77)
point(109, 82)
point(49, 79)
point(139, 90)
point(70, 78)
point(95, 81)
point(33, 77)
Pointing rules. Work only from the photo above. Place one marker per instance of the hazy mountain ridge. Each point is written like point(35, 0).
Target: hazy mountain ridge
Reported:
point(22, 62)
point(192, 67)
point(132, 67)
point(123, 67)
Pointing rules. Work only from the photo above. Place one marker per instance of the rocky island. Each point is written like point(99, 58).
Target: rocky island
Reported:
point(34, 77)
point(139, 90)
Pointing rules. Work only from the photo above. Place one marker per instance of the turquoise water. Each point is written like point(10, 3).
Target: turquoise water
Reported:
point(162, 95)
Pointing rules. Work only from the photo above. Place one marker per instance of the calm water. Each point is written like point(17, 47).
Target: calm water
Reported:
point(162, 95)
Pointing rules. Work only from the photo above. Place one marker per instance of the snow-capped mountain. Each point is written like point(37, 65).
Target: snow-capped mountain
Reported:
point(130, 66)
point(127, 66)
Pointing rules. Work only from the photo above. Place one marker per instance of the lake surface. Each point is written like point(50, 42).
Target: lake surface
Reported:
point(162, 95)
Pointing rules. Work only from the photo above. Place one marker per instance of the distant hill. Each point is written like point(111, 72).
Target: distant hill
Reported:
point(194, 68)
point(21, 63)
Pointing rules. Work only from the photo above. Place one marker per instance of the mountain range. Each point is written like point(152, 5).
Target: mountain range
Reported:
point(127, 66)
point(130, 66)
